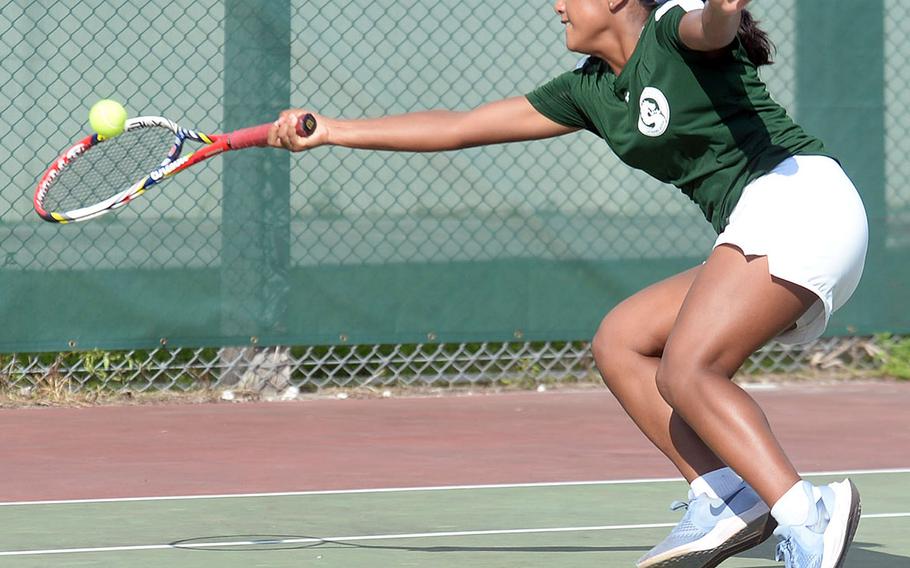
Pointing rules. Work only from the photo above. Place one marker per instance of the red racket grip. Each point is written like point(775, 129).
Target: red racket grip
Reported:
point(252, 136)
point(258, 135)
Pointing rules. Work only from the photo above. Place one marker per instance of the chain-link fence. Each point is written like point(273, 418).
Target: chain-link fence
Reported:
point(897, 87)
point(278, 371)
point(382, 267)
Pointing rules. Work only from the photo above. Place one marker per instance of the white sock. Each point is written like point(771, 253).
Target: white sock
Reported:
point(717, 484)
point(796, 507)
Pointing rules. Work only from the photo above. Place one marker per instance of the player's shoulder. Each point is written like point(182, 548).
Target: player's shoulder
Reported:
point(666, 21)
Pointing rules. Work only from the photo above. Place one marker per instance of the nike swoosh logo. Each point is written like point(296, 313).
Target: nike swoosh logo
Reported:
point(720, 508)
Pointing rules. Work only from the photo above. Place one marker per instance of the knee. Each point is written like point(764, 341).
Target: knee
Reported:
point(601, 345)
point(676, 379)
point(684, 375)
point(611, 348)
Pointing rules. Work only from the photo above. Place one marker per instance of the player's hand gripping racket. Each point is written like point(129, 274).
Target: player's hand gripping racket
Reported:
point(98, 175)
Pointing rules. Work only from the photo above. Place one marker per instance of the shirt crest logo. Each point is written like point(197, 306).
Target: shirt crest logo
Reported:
point(655, 112)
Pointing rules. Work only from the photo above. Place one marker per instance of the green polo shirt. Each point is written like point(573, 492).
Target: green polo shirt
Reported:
point(705, 124)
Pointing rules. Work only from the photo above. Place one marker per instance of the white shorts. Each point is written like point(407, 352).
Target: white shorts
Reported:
point(808, 219)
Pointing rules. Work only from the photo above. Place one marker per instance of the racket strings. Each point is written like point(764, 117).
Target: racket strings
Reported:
point(108, 168)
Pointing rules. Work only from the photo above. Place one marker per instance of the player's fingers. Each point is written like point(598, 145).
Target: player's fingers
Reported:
point(288, 130)
point(278, 130)
point(275, 132)
point(273, 135)
point(287, 134)
point(279, 133)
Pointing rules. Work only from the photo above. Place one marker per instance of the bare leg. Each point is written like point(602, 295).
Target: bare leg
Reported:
point(627, 348)
point(733, 307)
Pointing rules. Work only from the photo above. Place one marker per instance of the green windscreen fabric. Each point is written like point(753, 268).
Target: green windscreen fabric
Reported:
point(531, 241)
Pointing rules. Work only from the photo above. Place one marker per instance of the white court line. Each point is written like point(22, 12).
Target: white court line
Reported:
point(414, 489)
point(360, 538)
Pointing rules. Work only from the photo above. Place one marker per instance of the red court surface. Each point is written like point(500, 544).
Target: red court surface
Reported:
point(166, 450)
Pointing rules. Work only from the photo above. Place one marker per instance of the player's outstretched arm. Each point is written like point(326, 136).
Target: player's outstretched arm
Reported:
point(714, 27)
point(508, 120)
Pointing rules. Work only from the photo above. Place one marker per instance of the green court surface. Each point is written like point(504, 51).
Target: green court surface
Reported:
point(599, 524)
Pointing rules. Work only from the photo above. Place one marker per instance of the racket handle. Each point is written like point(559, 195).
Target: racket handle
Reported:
point(258, 135)
point(252, 136)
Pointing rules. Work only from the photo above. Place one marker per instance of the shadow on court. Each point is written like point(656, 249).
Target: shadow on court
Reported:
point(862, 554)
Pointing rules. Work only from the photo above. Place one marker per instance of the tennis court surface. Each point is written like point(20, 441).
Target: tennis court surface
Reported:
point(521, 479)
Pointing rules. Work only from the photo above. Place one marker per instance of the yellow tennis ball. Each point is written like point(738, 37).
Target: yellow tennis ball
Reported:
point(107, 118)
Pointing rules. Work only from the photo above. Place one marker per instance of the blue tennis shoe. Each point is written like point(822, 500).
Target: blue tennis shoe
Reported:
point(713, 530)
point(825, 542)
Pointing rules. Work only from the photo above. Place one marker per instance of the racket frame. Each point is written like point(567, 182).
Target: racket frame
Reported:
point(174, 162)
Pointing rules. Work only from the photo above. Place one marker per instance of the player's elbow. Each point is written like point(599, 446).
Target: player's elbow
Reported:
point(463, 133)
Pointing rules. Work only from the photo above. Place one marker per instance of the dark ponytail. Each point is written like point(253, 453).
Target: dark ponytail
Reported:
point(754, 40)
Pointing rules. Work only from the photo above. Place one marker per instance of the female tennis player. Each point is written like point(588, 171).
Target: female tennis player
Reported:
point(673, 88)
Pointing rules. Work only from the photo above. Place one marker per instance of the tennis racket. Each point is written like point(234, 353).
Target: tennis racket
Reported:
point(98, 175)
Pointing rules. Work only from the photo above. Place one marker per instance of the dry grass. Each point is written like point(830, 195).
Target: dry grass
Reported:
point(54, 391)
